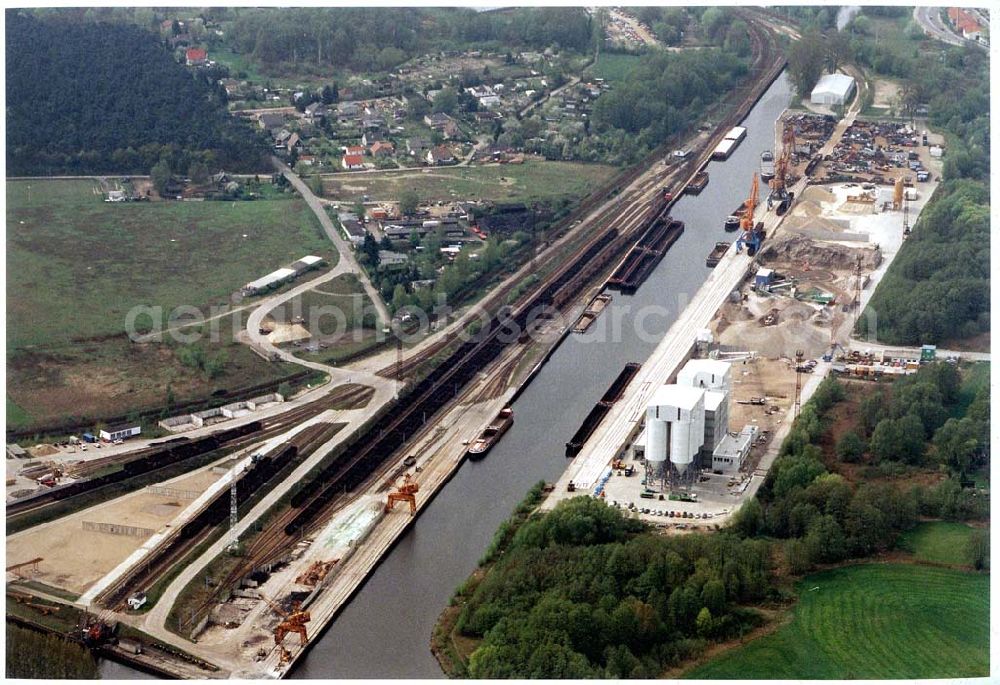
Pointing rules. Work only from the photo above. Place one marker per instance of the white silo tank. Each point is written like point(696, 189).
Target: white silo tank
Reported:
point(683, 408)
point(656, 440)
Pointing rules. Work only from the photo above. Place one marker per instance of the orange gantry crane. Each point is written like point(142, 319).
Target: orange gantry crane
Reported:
point(293, 621)
point(751, 236)
point(407, 492)
point(779, 184)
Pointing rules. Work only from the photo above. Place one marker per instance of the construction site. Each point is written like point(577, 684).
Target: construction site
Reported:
point(239, 563)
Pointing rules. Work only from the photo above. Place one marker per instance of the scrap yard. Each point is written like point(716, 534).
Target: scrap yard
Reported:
point(226, 548)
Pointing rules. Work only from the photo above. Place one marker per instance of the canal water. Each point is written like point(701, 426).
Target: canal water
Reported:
point(385, 630)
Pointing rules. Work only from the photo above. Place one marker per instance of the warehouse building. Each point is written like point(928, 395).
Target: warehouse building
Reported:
point(123, 432)
point(832, 89)
point(280, 276)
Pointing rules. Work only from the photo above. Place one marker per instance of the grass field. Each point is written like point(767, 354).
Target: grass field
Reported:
point(76, 265)
point(533, 181)
point(612, 67)
point(873, 621)
point(937, 541)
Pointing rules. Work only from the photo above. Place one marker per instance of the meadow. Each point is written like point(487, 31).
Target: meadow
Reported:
point(872, 621)
point(533, 181)
point(76, 265)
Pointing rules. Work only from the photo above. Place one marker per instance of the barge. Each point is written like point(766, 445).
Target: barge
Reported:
point(645, 254)
point(766, 165)
point(492, 434)
point(729, 143)
point(591, 313)
point(597, 414)
point(697, 183)
point(716, 254)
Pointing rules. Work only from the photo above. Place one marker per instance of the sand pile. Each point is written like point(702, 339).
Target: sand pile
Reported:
point(800, 249)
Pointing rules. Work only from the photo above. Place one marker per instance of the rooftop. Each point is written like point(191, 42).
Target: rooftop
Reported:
point(680, 396)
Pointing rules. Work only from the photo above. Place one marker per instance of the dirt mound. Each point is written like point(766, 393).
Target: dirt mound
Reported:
point(800, 249)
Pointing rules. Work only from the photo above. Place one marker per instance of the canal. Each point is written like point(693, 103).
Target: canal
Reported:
point(385, 630)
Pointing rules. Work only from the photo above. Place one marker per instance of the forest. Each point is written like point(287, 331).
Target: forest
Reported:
point(585, 592)
point(31, 654)
point(907, 425)
point(89, 97)
point(379, 39)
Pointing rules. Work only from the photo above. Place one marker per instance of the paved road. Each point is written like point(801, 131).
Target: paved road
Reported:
point(343, 247)
point(933, 25)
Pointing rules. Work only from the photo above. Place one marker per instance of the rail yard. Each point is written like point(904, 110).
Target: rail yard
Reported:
point(236, 544)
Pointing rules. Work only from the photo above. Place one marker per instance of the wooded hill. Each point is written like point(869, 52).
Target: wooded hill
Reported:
point(88, 97)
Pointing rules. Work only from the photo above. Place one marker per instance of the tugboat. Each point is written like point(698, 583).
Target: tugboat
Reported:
point(489, 437)
point(766, 165)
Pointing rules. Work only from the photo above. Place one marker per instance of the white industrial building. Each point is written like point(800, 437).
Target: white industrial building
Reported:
point(119, 432)
point(675, 428)
point(273, 279)
point(832, 89)
point(732, 450)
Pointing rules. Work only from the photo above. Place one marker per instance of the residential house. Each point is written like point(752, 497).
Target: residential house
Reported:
point(269, 121)
point(179, 40)
point(389, 258)
point(417, 147)
point(354, 150)
point(382, 149)
point(371, 137)
point(347, 112)
point(437, 121)
point(489, 102)
point(485, 116)
point(308, 160)
point(440, 155)
point(372, 123)
point(453, 132)
point(196, 57)
point(293, 140)
point(316, 110)
point(480, 91)
point(352, 162)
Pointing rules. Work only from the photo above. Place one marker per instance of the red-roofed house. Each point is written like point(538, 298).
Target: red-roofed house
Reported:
point(965, 22)
point(382, 148)
point(196, 57)
point(351, 162)
point(354, 150)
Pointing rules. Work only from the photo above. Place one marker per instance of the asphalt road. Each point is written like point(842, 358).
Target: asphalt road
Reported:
point(933, 25)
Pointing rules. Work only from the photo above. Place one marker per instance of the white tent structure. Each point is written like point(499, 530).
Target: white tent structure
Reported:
point(832, 89)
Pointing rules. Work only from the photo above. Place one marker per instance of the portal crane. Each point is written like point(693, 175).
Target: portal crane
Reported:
point(407, 492)
point(293, 621)
point(779, 184)
point(751, 236)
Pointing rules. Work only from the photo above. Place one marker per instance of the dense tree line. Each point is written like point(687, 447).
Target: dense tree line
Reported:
point(823, 518)
point(585, 592)
point(88, 97)
point(666, 93)
point(379, 39)
point(939, 285)
point(31, 654)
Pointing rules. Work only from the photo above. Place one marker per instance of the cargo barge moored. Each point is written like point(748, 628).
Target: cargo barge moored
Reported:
point(645, 255)
point(493, 432)
point(596, 415)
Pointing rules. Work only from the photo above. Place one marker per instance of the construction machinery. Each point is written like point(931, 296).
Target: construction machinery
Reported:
point(293, 621)
point(751, 236)
point(407, 492)
point(779, 194)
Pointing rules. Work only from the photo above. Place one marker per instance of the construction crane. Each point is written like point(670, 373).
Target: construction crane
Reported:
point(407, 492)
point(751, 236)
point(293, 621)
point(779, 184)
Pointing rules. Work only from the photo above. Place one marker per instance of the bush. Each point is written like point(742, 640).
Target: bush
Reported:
point(850, 447)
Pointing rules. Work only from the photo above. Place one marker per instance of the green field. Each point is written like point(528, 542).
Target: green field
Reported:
point(938, 541)
point(76, 266)
point(612, 67)
point(533, 181)
point(873, 621)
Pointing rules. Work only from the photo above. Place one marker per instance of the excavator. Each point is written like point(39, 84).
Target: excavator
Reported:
point(779, 184)
point(293, 621)
point(751, 236)
point(407, 492)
